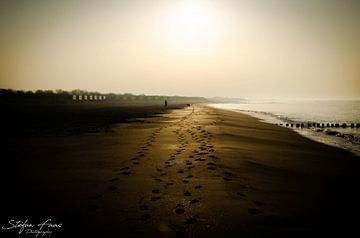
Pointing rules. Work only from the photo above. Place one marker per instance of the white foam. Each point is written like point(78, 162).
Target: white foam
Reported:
point(284, 117)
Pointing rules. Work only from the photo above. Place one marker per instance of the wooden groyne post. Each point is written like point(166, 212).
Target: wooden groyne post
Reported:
point(320, 125)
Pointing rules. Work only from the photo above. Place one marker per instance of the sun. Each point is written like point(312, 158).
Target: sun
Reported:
point(191, 27)
point(192, 20)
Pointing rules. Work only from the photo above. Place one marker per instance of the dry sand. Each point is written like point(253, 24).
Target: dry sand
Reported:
point(193, 172)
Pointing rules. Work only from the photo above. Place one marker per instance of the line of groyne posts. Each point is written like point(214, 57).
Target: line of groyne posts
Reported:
point(320, 125)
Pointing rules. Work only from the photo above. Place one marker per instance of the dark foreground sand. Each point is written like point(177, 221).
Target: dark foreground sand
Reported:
point(193, 172)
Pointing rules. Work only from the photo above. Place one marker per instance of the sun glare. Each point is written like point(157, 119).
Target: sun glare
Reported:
point(192, 21)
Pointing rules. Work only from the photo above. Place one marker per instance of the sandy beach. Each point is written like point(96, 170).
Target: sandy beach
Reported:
point(194, 171)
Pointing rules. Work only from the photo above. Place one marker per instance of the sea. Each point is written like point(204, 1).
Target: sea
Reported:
point(321, 112)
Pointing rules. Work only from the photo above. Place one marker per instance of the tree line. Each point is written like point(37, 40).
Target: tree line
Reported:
point(62, 96)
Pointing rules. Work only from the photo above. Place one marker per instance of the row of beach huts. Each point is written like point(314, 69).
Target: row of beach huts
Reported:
point(88, 97)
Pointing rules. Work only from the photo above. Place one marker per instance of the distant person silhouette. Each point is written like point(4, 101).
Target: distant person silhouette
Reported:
point(165, 103)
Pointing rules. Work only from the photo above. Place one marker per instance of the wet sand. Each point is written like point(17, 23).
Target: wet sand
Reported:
point(192, 172)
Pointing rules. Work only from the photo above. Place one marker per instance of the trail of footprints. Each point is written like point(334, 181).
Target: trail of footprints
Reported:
point(127, 170)
point(180, 162)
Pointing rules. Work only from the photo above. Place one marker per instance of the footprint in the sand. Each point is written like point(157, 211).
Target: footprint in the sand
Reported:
point(144, 207)
point(179, 209)
point(156, 191)
point(185, 181)
point(112, 188)
point(255, 211)
point(228, 173)
point(113, 180)
point(126, 173)
point(193, 201)
point(153, 199)
point(180, 171)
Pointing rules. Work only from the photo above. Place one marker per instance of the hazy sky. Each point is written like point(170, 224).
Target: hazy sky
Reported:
point(233, 48)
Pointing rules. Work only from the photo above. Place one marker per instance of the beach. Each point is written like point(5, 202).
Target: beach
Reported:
point(190, 171)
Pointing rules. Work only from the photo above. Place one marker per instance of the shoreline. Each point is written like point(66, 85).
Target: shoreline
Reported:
point(190, 172)
point(331, 136)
